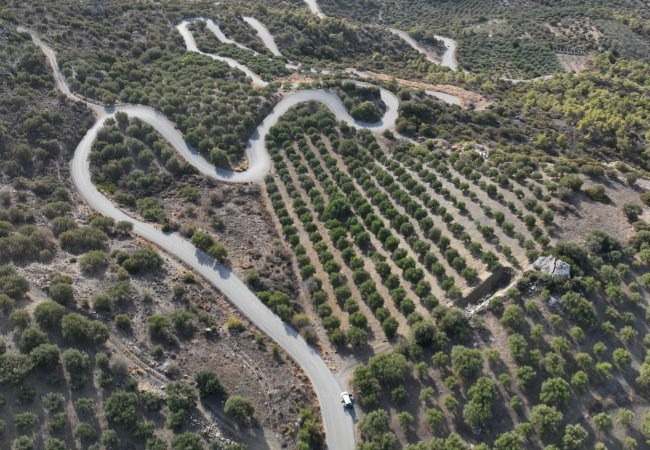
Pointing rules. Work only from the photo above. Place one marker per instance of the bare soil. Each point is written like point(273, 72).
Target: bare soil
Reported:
point(587, 215)
point(244, 360)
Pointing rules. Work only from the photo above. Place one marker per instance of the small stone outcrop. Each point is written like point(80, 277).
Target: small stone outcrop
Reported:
point(553, 266)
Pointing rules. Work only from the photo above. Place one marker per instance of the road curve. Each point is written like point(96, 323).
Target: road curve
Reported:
point(339, 427)
point(448, 58)
point(211, 26)
point(184, 29)
point(264, 34)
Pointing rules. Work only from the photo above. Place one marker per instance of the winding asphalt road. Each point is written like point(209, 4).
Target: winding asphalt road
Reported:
point(448, 58)
point(339, 426)
point(184, 29)
point(264, 34)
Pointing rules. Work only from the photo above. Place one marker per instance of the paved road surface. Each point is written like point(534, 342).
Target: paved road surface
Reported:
point(338, 424)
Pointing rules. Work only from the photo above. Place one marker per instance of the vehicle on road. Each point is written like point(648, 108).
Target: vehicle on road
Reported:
point(346, 399)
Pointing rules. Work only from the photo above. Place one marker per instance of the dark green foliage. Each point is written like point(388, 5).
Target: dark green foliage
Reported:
point(12, 285)
point(466, 362)
point(143, 260)
point(240, 409)
point(48, 315)
point(478, 410)
point(62, 293)
point(455, 324)
point(14, 368)
point(120, 408)
point(389, 368)
point(83, 239)
point(93, 262)
point(187, 441)
point(208, 384)
point(76, 329)
point(31, 338)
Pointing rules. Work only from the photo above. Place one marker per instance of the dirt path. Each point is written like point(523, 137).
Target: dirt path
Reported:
point(468, 99)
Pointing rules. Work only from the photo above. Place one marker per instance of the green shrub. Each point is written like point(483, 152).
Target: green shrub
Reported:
point(143, 260)
point(62, 293)
point(186, 441)
point(83, 239)
point(120, 408)
point(94, 261)
point(597, 193)
point(31, 338)
point(45, 356)
point(14, 368)
point(239, 409)
point(48, 315)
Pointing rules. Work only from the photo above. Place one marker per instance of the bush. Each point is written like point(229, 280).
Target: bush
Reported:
point(48, 315)
point(143, 260)
point(23, 443)
point(389, 368)
point(187, 441)
point(53, 401)
point(63, 224)
point(239, 409)
point(83, 239)
point(632, 211)
point(209, 384)
point(466, 362)
point(31, 338)
point(573, 182)
point(84, 431)
point(160, 327)
point(75, 361)
point(110, 440)
point(218, 252)
point(14, 368)
point(76, 328)
point(151, 209)
point(478, 410)
point(366, 386)
point(454, 323)
point(7, 303)
point(545, 419)
point(120, 409)
point(13, 285)
point(55, 444)
point(62, 293)
point(423, 333)
point(575, 437)
point(202, 240)
point(554, 392)
point(645, 198)
point(597, 193)
point(25, 421)
point(234, 324)
point(94, 261)
point(513, 317)
point(181, 400)
point(20, 318)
